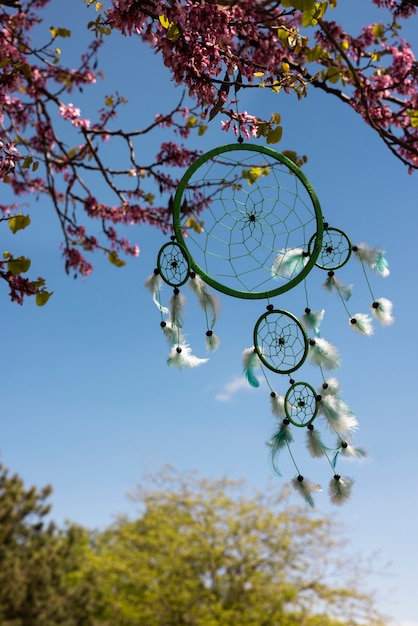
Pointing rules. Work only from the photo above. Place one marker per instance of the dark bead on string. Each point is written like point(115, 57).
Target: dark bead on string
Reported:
point(269, 307)
point(156, 271)
point(375, 305)
point(163, 324)
point(310, 426)
point(344, 444)
point(353, 320)
point(330, 273)
point(209, 333)
point(307, 310)
point(312, 342)
point(178, 349)
point(286, 422)
point(300, 478)
point(176, 291)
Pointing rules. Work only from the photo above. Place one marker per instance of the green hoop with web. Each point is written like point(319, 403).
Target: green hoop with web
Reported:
point(280, 341)
point(247, 204)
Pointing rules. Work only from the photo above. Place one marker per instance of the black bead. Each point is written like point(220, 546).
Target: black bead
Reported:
point(310, 426)
point(209, 333)
point(354, 248)
point(375, 305)
point(318, 397)
point(173, 237)
point(312, 342)
point(325, 386)
point(178, 349)
point(269, 307)
point(163, 324)
point(286, 421)
point(330, 273)
point(176, 291)
point(291, 381)
point(344, 444)
point(240, 139)
point(307, 310)
point(300, 478)
point(273, 394)
point(337, 477)
point(353, 320)
point(156, 271)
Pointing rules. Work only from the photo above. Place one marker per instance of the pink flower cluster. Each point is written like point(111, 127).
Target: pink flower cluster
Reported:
point(72, 113)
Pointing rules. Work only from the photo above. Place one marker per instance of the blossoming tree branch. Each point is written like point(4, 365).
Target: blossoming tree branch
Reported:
point(213, 49)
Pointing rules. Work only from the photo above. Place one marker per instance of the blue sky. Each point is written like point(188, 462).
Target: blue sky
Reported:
point(89, 404)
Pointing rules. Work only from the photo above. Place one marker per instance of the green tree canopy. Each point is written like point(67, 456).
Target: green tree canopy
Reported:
point(205, 553)
point(41, 580)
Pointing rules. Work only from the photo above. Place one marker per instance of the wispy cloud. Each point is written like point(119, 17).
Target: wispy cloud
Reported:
point(231, 388)
point(408, 623)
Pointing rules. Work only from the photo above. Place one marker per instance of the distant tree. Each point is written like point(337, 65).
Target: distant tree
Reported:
point(41, 579)
point(202, 553)
point(49, 149)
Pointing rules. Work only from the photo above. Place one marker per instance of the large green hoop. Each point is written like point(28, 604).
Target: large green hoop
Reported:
point(316, 232)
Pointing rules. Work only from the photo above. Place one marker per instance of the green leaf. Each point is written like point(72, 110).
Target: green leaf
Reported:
point(42, 297)
point(18, 266)
point(115, 260)
point(18, 222)
point(274, 136)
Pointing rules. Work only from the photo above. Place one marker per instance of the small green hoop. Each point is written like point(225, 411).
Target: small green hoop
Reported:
point(335, 245)
point(173, 264)
point(280, 341)
point(301, 404)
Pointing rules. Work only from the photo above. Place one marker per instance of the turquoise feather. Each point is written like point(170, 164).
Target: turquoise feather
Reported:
point(250, 361)
point(305, 488)
point(280, 439)
point(312, 320)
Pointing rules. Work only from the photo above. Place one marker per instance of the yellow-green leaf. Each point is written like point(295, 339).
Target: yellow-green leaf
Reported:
point(165, 23)
point(413, 116)
point(42, 297)
point(115, 260)
point(18, 222)
point(19, 265)
point(274, 136)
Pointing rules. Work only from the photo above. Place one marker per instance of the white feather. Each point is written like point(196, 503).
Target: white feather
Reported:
point(373, 257)
point(277, 404)
point(206, 299)
point(287, 263)
point(339, 489)
point(324, 354)
point(181, 356)
point(338, 414)
point(382, 311)
point(330, 387)
point(362, 323)
point(154, 283)
point(172, 333)
point(313, 442)
point(346, 449)
point(177, 302)
point(212, 341)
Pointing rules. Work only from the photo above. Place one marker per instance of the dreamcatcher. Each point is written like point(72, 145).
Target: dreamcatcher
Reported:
point(248, 223)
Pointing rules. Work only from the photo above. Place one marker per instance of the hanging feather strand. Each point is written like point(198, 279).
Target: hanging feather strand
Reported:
point(337, 413)
point(373, 257)
point(362, 323)
point(312, 319)
point(305, 487)
point(314, 443)
point(339, 489)
point(172, 333)
point(382, 311)
point(277, 405)
point(280, 439)
point(206, 299)
point(250, 361)
point(181, 356)
point(212, 341)
point(332, 283)
point(324, 354)
point(287, 263)
point(177, 302)
point(154, 283)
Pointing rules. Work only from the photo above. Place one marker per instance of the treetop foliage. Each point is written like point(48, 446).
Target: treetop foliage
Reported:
point(200, 552)
point(48, 149)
